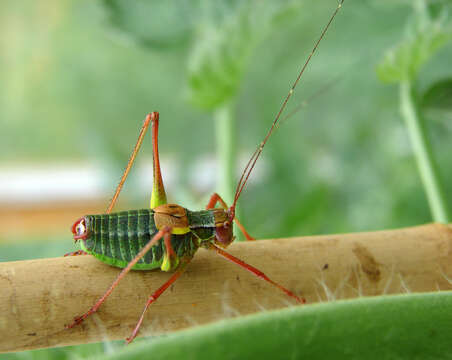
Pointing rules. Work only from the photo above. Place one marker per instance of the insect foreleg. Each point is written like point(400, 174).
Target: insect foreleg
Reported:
point(166, 231)
point(255, 271)
point(156, 295)
point(76, 253)
point(214, 199)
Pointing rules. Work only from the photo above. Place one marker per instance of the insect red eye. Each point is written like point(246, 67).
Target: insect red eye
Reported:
point(79, 229)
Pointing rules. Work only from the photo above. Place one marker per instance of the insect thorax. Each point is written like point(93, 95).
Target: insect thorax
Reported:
point(204, 224)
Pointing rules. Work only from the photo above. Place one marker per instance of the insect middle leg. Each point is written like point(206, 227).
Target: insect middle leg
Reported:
point(214, 199)
point(155, 296)
point(166, 231)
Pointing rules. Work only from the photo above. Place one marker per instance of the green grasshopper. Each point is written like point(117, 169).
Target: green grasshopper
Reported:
point(167, 236)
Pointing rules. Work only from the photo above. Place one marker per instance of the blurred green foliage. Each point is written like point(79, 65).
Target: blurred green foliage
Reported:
point(426, 36)
point(64, 353)
point(429, 30)
point(76, 86)
point(436, 101)
point(223, 48)
point(79, 76)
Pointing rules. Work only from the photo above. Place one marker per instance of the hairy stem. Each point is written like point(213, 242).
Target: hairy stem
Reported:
point(314, 267)
point(225, 124)
point(423, 153)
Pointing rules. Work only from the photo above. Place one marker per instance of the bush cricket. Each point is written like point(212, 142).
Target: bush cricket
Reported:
point(167, 236)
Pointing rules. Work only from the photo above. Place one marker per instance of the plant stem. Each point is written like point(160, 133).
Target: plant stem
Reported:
point(423, 153)
point(226, 150)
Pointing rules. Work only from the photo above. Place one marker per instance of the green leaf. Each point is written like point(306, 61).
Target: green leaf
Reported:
point(153, 23)
point(223, 46)
point(404, 61)
point(224, 34)
point(436, 101)
point(415, 326)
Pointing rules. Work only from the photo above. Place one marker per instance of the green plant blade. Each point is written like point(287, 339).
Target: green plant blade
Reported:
point(404, 62)
point(414, 326)
point(437, 101)
point(224, 45)
point(422, 149)
point(141, 21)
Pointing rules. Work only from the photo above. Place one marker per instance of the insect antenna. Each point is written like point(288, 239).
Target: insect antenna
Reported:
point(304, 103)
point(252, 161)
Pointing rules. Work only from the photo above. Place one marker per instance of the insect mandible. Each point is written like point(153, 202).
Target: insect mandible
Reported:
point(167, 236)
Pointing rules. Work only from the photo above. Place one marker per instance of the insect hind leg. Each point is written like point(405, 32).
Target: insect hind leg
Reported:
point(150, 118)
point(155, 296)
point(158, 195)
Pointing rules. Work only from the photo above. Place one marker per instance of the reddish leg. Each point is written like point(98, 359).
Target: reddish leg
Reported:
point(152, 117)
point(256, 272)
point(158, 195)
point(166, 231)
point(76, 253)
point(170, 259)
point(168, 246)
point(155, 296)
point(214, 199)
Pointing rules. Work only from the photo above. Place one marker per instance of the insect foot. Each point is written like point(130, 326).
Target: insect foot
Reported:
point(76, 253)
point(77, 320)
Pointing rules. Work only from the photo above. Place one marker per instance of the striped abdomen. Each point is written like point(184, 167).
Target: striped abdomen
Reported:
point(117, 238)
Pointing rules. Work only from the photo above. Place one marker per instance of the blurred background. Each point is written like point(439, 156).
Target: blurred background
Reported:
point(78, 77)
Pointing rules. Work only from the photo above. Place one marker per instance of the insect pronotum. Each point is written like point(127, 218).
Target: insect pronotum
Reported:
point(167, 236)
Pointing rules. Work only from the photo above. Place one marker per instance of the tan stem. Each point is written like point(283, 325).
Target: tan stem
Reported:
point(38, 297)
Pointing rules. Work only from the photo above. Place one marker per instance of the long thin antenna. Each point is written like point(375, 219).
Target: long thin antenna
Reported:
point(250, 165)
point(304, 103)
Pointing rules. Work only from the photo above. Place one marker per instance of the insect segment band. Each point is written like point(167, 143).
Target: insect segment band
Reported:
point(118, 237)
